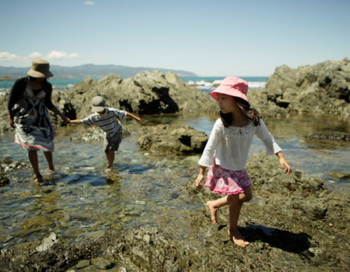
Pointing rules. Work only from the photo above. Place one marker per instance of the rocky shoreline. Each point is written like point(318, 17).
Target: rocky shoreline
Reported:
point(322, 89)
point(293, 223)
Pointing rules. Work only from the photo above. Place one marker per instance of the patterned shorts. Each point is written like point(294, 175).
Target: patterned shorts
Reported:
point(112, 143)
point(223, 181)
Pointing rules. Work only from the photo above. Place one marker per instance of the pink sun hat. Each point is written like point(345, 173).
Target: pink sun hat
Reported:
point(233, 86)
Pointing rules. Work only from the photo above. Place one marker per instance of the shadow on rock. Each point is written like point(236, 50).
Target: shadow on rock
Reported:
point(297, 243)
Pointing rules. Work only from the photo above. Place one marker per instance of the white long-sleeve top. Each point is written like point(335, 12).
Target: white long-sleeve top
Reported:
point(229, 146)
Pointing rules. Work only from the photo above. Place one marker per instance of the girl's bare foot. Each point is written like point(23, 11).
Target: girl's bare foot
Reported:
point(213, 211)
point(237, 238)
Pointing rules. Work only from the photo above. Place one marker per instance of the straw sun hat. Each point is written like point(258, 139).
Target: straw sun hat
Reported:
point(40, 68)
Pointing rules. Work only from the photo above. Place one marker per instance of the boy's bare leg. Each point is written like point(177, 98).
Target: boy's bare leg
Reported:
point(49, 159)
point(110, 155)
point(214, 205)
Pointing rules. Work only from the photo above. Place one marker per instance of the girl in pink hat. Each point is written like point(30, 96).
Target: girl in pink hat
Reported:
point(226, 153)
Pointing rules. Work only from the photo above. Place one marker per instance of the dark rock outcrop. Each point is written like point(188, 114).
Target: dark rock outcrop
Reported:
point(149, 92)
point(318, 89)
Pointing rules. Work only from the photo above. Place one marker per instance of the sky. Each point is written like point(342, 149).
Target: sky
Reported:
point(208, 38)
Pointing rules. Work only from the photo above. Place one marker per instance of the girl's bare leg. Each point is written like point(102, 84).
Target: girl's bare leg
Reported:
point(214, 205)
point(236, 203)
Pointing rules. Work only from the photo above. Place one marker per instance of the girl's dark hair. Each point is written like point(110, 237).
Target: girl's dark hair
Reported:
point(252, 114)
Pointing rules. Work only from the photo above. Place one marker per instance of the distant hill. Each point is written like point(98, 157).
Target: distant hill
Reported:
point(87, 70)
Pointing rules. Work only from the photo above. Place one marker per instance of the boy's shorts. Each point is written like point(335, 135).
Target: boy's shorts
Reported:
point(112, 143)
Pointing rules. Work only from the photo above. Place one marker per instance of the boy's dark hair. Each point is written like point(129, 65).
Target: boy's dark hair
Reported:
point(245, 108)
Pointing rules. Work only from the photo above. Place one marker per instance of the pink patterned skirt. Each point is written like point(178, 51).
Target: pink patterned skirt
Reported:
point(223, 181)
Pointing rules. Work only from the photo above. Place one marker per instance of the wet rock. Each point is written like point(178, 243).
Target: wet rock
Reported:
point(339, 175)
point(47, 242)
point(330, 136)
point(9, 165)
point(172, 139)
point(4, 115)
point(102, 263)
point(6, 167)
point(83, 264)
point(4, 179)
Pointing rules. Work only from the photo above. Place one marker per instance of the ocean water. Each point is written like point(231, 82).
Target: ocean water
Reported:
point(206, 84)
point(59, 84)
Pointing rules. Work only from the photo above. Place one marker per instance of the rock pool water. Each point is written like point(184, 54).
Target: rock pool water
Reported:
point(144, 190)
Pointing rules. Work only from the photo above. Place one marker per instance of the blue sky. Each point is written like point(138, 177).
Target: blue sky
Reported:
point(209, 38)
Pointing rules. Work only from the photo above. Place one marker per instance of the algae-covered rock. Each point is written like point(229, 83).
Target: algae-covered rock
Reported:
point(172, 139)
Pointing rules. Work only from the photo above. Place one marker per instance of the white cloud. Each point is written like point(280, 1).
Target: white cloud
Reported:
point(34, 55)
point(89, 3)
point(61, 55)
point(53, 55)
point(6, 56)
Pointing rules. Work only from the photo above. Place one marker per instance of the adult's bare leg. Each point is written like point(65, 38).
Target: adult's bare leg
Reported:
point(49, 159)
point(33, 159)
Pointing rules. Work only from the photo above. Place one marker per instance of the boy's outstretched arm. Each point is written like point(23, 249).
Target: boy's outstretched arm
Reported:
point(76, 121)
point(138, 119)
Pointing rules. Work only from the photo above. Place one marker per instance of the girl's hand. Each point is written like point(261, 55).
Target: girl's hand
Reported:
point(198, 181)
point(284, 164)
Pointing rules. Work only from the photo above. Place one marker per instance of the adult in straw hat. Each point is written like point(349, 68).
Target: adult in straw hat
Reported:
point(30, 97)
